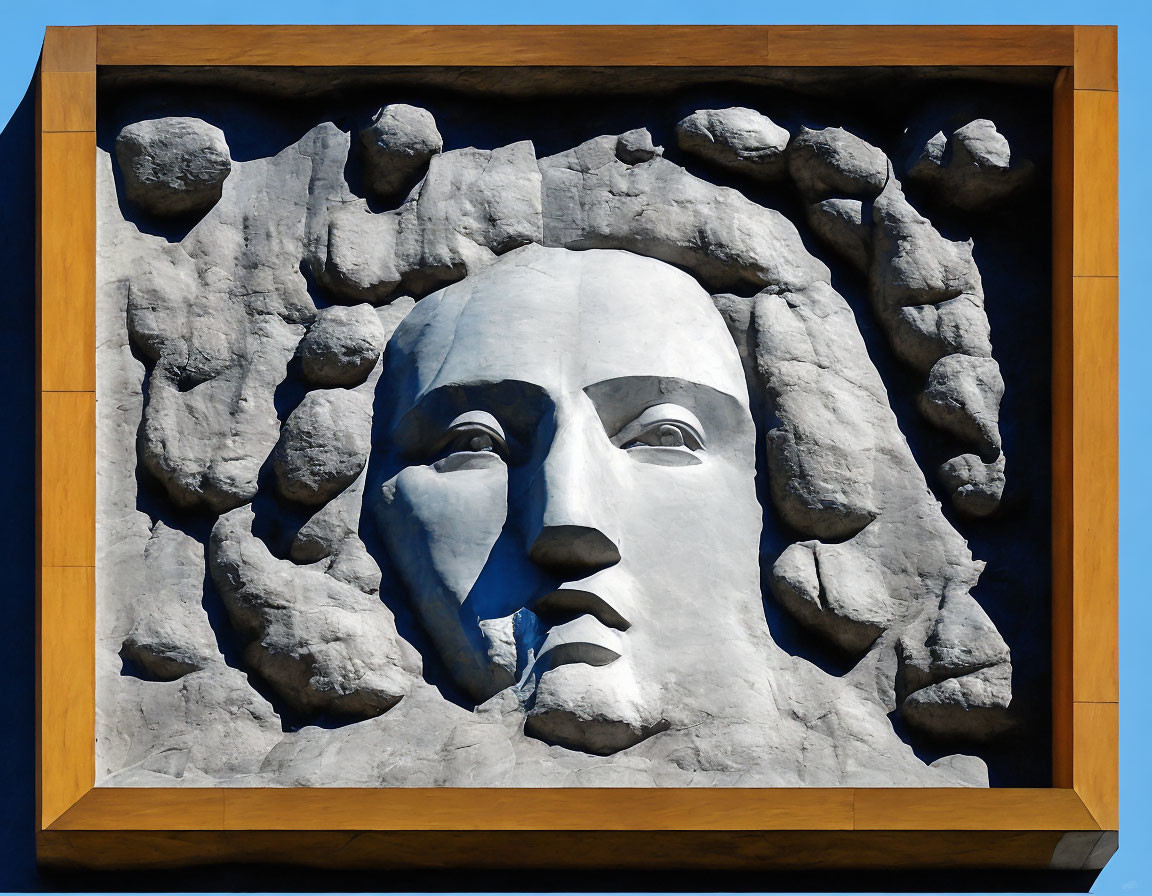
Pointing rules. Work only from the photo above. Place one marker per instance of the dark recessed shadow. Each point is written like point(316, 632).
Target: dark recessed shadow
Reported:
point(279, 878)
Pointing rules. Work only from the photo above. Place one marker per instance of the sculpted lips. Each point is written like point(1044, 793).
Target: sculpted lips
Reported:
point(582, 628)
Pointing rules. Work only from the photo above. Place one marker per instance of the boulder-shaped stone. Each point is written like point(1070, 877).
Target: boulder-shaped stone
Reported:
point(978, 144)
point(835, 162)
point(342, 346)
point(172, 320)
point(963, 397)
point(173, 166)
point(928, 158)
point(396, 148)
point(923, 334)
point(971, 706)
point(977, 487)
point(592, 200)
point(836, 590)
point(170, 634)
point(636, 146)
point(973, 169)
point(735, 138)
point(323, 445)
point(820, 484)
point(322, 645)
point(332, 535)
point(221, 313)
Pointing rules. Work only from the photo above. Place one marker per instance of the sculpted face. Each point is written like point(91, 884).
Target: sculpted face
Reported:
point(568, 493)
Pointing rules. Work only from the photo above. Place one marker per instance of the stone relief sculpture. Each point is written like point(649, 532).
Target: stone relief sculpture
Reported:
point(470, 480)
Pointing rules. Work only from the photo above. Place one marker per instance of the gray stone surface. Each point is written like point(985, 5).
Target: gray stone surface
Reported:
point(841, 224)
point(926, 289)
point(963, 396)
point(737, 138)
point(834, 162)
point(972, 169)
point(836, 590)
point(959, 676)
point(323, 445)
point(636, 146)
point(170, 634)
point(321, 644)
point(473, 205)
point(174, 165)
point(592, 200)
point(977, 487)
point(560, 437)
point(821, 458)
point(342, 346)
point(396, 148)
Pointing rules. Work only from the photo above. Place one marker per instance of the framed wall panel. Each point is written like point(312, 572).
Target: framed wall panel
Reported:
point(1070, 824)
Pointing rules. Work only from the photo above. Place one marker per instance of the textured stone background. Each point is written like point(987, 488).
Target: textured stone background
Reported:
point(1011, 251)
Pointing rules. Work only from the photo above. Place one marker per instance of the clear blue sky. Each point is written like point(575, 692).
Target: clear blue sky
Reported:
point(21, 30)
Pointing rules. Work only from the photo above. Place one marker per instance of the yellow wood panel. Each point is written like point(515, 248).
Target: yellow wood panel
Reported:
point(585, 45)
point(66, 614)
point(1096, 772)
point(521, 850)
point(430, 45)
point(961, 809)
point(962, 45)
point(69, 49)
point(68, 101)
point(1096, 57)
point(67, 261)
point(1096, 185)
point(66, 463)
point(1095, 451)
point(610, 809)
point(146, 808)
point(1063, 145)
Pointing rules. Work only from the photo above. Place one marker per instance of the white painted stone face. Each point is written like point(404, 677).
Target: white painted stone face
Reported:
point(571, 496)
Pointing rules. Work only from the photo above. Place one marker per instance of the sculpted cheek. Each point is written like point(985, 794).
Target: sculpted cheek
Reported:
point(440, 526)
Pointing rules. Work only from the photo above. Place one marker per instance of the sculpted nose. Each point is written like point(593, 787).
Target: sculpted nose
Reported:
point(566, 549)
point(569, 532)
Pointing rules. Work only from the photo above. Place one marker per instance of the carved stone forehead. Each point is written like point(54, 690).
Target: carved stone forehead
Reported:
point(565, 320)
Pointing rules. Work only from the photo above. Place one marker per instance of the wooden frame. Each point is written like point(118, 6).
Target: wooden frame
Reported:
point(1069, 825)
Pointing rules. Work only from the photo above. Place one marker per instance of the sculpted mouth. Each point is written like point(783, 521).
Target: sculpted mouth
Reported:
point(565, 604)
point(582, 628)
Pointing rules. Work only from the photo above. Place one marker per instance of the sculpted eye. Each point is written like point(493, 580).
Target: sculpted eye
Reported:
point(473, 433)
point(665, 434)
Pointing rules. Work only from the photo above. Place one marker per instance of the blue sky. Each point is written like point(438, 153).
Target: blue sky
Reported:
point(1130, 872)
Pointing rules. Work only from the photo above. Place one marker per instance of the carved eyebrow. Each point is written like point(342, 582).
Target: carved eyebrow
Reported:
point(513, 402)
point(621, 400)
